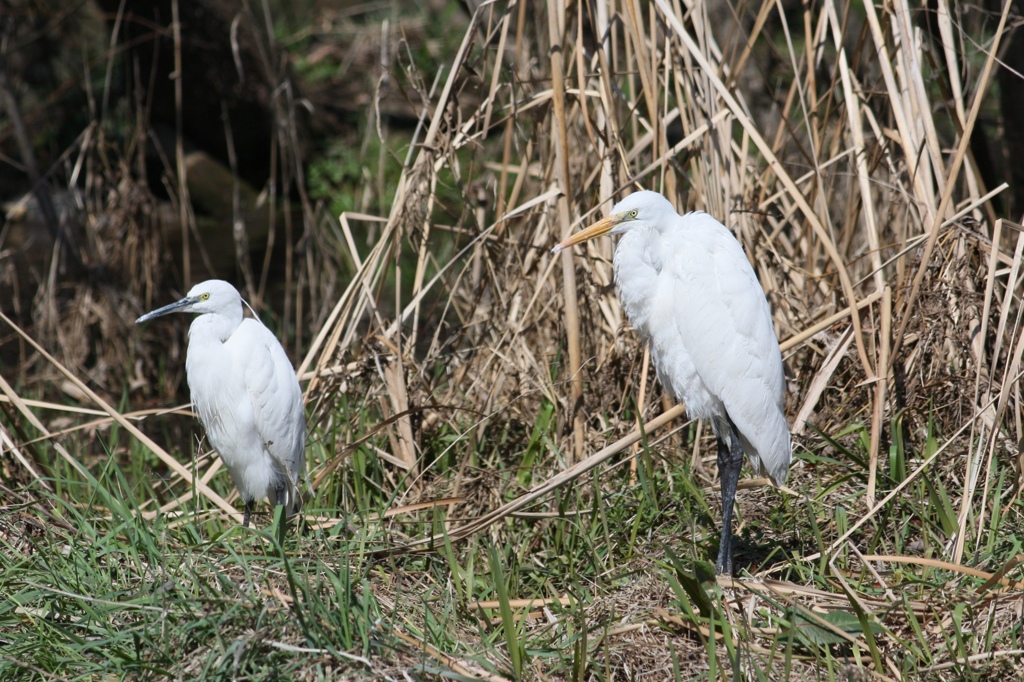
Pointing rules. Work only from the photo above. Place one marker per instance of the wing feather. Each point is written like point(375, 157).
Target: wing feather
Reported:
point(718, 322)
point(278, 411)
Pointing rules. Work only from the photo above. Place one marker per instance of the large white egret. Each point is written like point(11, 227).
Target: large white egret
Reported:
point(690, 292)
point(246, 394)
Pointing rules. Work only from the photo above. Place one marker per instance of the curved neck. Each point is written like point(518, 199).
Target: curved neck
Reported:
point(639, 257)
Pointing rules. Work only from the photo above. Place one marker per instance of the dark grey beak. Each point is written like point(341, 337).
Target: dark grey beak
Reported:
point(181, 306)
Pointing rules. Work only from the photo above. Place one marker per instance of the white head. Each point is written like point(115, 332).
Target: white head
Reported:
point(212, 296)
point(645, 209)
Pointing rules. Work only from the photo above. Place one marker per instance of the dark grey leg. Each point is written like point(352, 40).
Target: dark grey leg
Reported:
point(248, 513)
point(280, 494)
point(730, 461)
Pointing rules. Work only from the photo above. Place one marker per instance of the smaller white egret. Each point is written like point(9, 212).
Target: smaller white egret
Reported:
point(689, 290)
point(246, 394)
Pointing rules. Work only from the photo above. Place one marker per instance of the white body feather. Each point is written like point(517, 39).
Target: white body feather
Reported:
point(245, 391)
point(246, 394)
point(689, 290)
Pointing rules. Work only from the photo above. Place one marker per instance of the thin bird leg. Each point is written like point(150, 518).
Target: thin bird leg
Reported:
point(248, 513)
point(280, 494)
point(730, 461)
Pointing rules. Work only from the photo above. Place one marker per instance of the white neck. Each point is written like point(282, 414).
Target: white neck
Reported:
point(217, 325)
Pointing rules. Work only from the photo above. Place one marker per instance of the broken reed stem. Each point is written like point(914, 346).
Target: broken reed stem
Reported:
point(571, 473)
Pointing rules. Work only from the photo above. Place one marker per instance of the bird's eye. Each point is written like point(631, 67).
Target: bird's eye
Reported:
point(204, 297)
point(633, 213)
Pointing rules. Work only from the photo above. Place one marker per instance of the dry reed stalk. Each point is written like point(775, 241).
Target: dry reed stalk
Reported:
point(394, 375)
point(556, 30)
point(933, 563)
point(22, 408)
point(987, 416)
point(821, 598)
point(640, 409)
point(468, 669)
point(840, 198)
point(821, 380)
point(998, 577)
point(183, 473)
point(853, 110)
point(179, 151)
point(951, 177)
point(7, 443)
point(816, 207)
point(894, 492)
point(985, 413)
point(569, 474)
point(881, 387)
point(106, 421)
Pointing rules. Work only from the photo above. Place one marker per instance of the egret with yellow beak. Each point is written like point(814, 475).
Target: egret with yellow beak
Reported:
point(689, 290)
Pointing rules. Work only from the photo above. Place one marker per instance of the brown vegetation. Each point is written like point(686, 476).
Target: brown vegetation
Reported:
point(479, 375)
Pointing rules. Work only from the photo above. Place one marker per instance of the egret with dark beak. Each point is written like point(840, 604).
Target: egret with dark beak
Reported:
point(246, 394)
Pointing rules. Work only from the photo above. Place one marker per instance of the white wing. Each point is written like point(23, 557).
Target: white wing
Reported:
point(715, 322)
point(276, 398)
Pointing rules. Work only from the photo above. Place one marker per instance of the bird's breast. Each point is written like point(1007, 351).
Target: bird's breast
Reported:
point(638, 264)
point(651, 286)
point(217, 387)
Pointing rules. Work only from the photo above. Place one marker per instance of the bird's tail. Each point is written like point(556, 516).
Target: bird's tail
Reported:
point(770, 451)
point(773, 456)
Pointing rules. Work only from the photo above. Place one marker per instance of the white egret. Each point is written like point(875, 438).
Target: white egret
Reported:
point(246, 394)
point(689, 290)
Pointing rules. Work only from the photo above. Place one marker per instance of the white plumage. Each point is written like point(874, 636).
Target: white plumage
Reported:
point(689, 290)
point(246, 394)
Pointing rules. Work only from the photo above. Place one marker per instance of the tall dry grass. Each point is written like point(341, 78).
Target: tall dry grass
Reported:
point(844, 187)
point(818, 136)
point(844, 191)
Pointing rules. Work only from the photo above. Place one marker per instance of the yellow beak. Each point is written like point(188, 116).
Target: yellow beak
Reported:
point(603, 226)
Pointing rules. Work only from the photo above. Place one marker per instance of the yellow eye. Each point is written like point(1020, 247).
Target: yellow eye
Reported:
point(204, 297)
point(633, 213)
